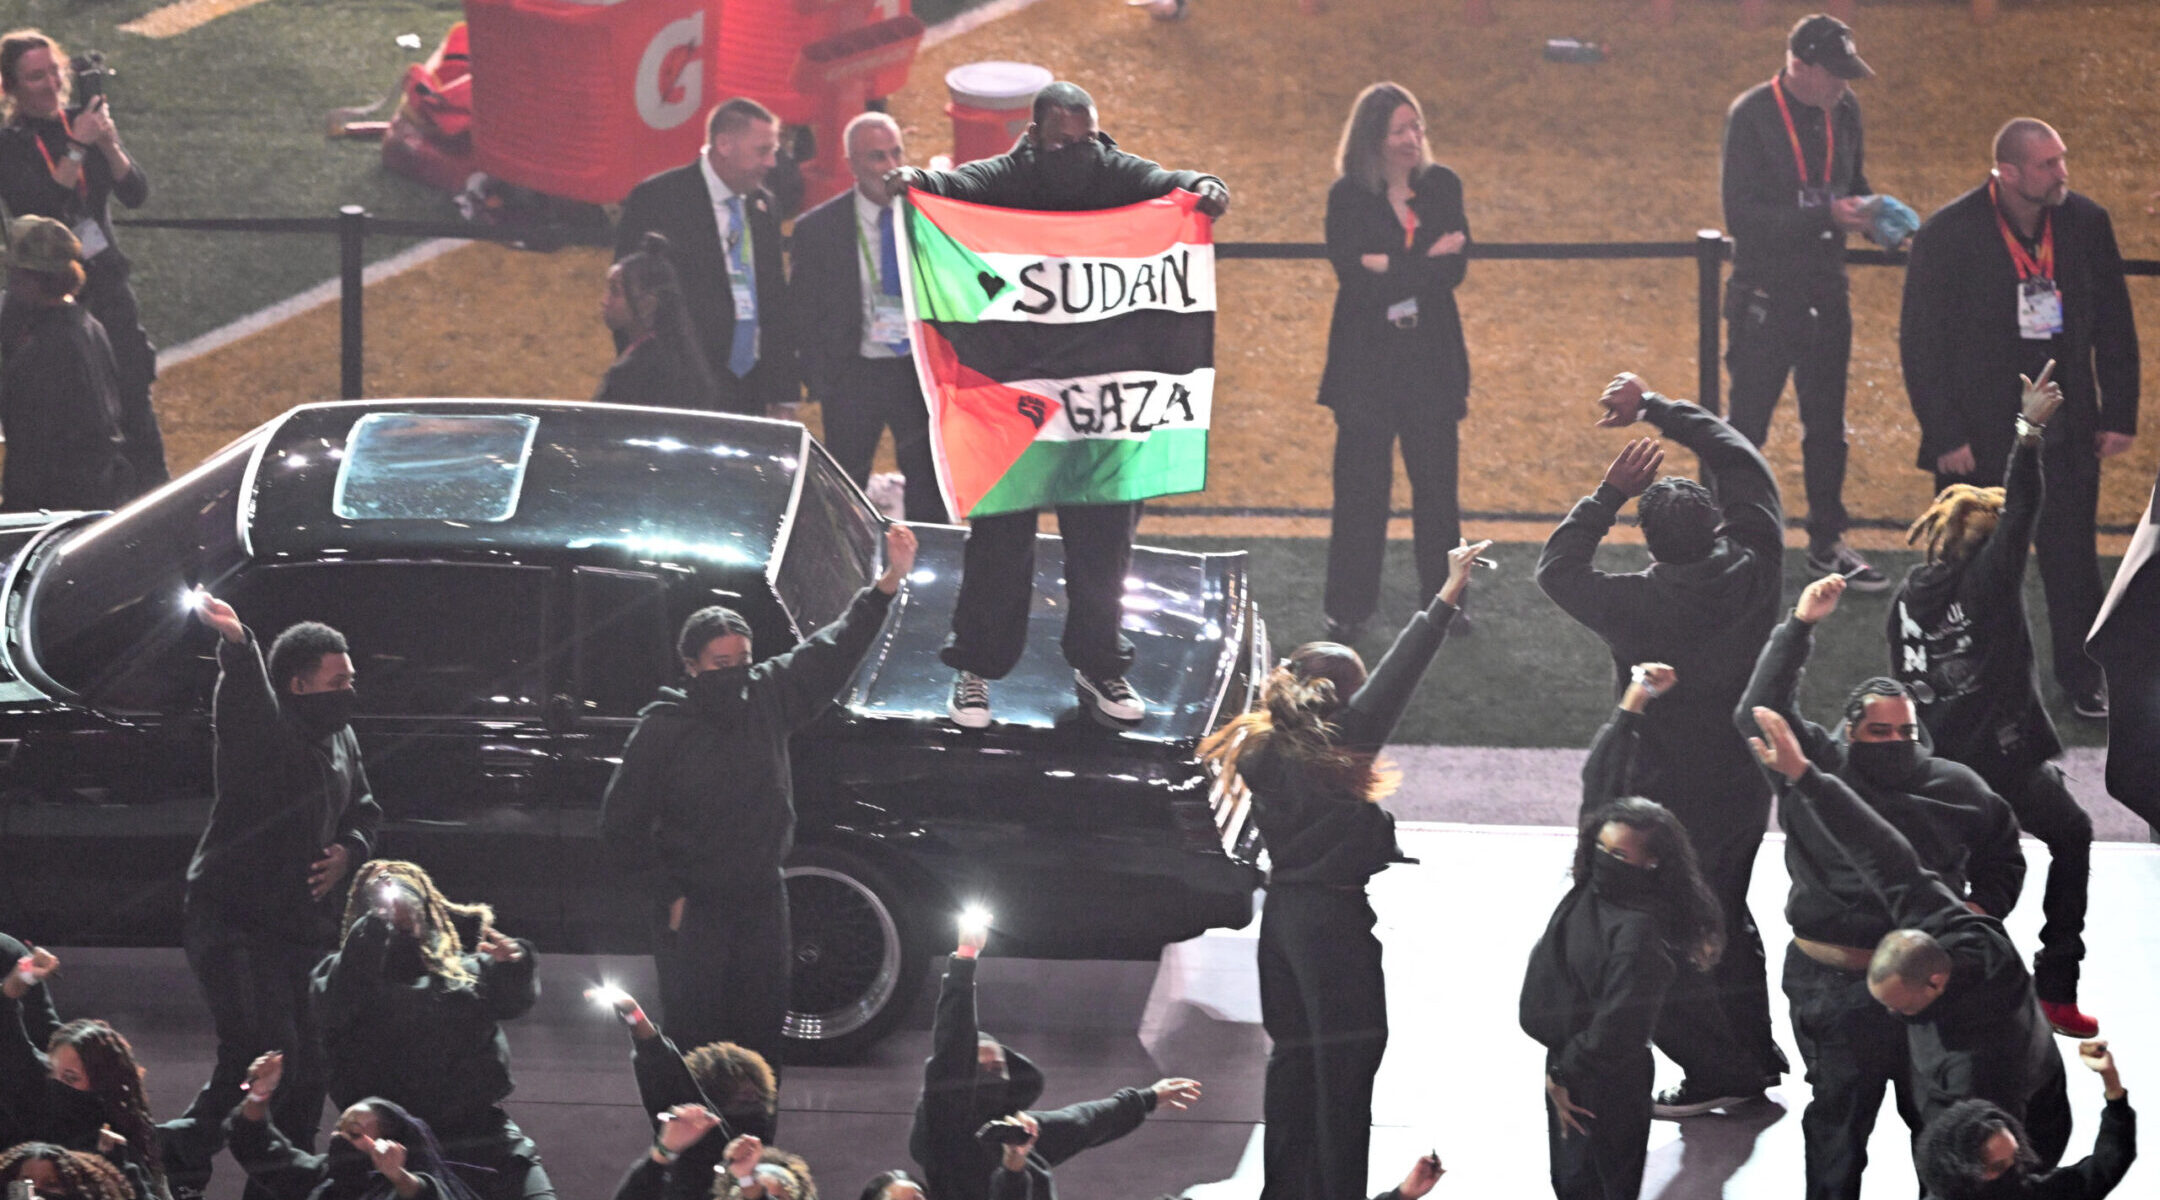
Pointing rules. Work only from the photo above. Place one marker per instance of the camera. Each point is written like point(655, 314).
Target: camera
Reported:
point(91, 74)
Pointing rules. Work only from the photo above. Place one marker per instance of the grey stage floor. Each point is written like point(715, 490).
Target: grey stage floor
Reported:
point(1459, 1075)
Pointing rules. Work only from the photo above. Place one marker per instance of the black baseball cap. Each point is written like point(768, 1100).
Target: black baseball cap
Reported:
point(1824, 41)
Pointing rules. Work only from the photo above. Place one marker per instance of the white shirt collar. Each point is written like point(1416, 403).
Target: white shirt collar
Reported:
point(866, 213)
point(720, 192)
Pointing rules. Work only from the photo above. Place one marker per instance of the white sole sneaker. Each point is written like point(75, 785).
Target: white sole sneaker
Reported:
point(1124, 711)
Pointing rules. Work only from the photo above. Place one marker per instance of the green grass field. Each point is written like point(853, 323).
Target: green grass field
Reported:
point(1530, 676)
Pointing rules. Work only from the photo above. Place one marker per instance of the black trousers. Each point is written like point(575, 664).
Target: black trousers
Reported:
point(256, 986)
point(724, 974)
point(109, 298)
point(1773, 334)
point(1364, 483)
point(1323, 1000)
point(498, 1161)
point(2065, 549)
point(1608, 1163)
point(1854, 1048)
point(1716, 1025)
point(2046, 810)
point(997, 590)
point(870, 395)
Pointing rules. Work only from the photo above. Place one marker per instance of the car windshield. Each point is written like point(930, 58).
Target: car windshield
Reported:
point(831, 549)
point(105, 616)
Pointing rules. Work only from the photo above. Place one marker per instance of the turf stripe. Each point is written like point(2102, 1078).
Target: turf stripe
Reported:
point(176, 19)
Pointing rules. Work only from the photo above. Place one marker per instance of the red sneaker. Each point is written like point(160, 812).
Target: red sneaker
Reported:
point(2068, 1020)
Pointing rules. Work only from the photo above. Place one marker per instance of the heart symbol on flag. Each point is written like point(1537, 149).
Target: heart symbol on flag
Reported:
point(992, 283)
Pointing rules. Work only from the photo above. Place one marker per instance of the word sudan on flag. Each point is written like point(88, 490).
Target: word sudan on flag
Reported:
point(1068, 358)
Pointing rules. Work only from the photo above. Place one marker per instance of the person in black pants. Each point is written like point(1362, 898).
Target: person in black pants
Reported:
point(2015, 272)
point(850, 328)
point(1960, 830)
point(1973, 1028)
point(1794, 182)
point(293, 817)
point(1064, 163)
point(1704, 606)
point(1958, 626)
point(1976, 1151)
point(1597, 978)
point(1397, 368)
point(701, 812)
point(1308, 753)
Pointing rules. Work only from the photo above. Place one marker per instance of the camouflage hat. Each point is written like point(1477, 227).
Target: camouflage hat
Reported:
point(41, 244)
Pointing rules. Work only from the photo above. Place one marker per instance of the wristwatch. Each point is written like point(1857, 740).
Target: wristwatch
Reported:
point(2029, 431)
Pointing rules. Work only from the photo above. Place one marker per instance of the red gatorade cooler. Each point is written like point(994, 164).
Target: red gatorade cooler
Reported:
point(991, 103)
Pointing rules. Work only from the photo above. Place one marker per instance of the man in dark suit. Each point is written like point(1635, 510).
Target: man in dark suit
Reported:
point(2013, 273)
point(724, 231)
point(851, 330)
point(2123, 643)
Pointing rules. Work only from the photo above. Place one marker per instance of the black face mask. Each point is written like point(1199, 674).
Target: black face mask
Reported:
point(717, 687)
point(322, 713)
point(1616, 880)
point(1885, 764)
point(1071, 168)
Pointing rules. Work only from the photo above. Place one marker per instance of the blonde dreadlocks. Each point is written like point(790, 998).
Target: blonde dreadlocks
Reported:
point(442, 952)
point(1958, 523)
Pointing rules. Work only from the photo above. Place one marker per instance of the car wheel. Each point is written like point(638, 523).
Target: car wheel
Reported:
point(855, 962)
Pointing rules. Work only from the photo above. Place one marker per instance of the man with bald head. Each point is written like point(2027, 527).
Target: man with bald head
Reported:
point(2015, 272)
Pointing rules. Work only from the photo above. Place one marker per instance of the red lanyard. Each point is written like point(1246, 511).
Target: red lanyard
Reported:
point(1409, 224)
point(2027, 266)
point(1829, 156)
point(82, 179)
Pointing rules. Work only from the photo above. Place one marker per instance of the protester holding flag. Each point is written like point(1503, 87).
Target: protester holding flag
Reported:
point(1396, 364)
point(1064, 163)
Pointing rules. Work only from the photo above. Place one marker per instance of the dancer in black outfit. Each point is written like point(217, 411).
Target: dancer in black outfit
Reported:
point(1958, 626)
point(1597, 978)
point(1977, 1151)
point(378, 1150)
point(1309, 757)
point(83, 1093)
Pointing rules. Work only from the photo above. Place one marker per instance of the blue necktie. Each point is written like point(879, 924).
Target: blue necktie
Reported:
point(742, 356)
point(889, 266)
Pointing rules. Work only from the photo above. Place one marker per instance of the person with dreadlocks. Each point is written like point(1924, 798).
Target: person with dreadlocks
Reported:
point(409, 1014)
point(60, 1174)
point(1309, 753)
point(660, 364)
point(698, 1102)
point(756, 1171)
point(1638, 908)
point(1976, 1151)
point(1958, 627)
point(85, 1092)
point(1704, 605)
point(1960, 830)
point(380, 1151)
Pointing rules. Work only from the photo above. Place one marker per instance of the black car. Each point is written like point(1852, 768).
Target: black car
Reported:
point(510, 575)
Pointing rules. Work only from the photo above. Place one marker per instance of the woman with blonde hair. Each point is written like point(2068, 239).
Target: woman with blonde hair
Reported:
point(1397, 368)
point(1309, 754)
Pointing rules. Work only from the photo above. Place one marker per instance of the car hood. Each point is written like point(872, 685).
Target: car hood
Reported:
point(1188, 616)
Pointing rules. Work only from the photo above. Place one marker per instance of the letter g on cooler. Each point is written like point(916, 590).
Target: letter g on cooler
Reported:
point(671, 75)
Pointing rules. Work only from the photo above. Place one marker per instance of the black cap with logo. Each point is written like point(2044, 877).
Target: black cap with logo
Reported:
point(1824, 41)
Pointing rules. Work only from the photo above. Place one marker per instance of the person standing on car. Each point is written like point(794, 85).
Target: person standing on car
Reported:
point(293, 817)
point(67, 164)
point(59, 394)
point(701, 811)
point(1309, 754)
point(1064, 163)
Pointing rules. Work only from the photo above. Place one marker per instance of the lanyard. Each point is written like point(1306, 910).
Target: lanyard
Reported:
point(1409, 227)
point(2027, 266)
point(1829, 157)
point(82, 178)
point(877, 284)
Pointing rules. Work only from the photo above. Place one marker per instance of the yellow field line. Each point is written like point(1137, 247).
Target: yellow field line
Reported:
point(176, 19)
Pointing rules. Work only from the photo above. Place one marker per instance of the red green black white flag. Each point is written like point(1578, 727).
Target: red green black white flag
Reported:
point(1067, 358)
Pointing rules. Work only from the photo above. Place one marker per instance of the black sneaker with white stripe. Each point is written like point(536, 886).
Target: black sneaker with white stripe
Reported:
point(970, 703)
point(1112, 700)
point(1841, 559)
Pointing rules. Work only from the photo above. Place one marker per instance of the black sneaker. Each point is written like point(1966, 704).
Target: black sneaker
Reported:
point(1111, 699)
point(970, 703)
point(2091, 705)
point(1841, 559)
point(1687, 1100)
point(1344, 632)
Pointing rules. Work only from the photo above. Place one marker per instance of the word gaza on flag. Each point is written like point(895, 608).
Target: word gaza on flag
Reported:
point(1067, 358)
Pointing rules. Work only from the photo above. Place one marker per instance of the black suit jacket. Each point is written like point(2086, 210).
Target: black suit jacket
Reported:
point(1958, 334)
point(675, 203)
point(826, 290)
point(1372, 366)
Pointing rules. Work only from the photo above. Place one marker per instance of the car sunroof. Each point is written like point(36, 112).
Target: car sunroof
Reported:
point(434, 467)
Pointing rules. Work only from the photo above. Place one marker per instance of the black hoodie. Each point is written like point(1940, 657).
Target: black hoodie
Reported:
point(957, 1098)
point(1023, 177)
point(705, 796)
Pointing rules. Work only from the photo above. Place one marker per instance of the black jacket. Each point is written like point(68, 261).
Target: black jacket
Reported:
point(60, 412)
point(1015, 179)
point(282, 795)
point(676, 203)
point(2121, 642)
point(1984, 1036)
point(1315, 837)
point(1960, 629)
point(35, 1107)
point(653, 372)
point(1706, 618)
point(39, 1016)
point(1373, 367)
point(1779, 245)
point(28, 188)
point(957, 1098)
point(391, 1030)
point(705, 797)
point(1958, 332)
point(664, 1081)
point(284, 1172)
point(1960, 830)
point(2092, 1177)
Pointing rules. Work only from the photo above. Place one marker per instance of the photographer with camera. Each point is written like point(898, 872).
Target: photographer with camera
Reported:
point(67, 163)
